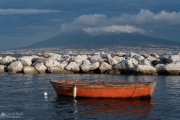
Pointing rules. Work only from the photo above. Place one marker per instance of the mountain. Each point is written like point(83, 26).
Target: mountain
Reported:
point(85, 40)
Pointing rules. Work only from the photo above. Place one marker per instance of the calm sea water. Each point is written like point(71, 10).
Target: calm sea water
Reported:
point(21, 97)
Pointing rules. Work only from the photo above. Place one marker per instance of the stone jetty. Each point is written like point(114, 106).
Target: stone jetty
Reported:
point(116, 63)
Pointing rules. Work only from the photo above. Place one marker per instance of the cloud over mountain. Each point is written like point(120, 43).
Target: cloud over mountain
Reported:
point(126, 23)
point(114, 29)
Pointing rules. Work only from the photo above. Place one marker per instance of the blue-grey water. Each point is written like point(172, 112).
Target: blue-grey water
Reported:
point(21, 97)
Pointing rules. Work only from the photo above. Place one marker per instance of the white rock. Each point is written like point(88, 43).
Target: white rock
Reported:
point(144, 62)
point(109, 56)
point(96, 58)
point(51, 63)
point(115, 60)
point(85, 62)
point(151, 58)
point(7, 60)
point(164, 57)
point(145, 70)
point(139, 58)
point(81, 57)
point(72, 66)
point(155, 55)
point(88, 56)
point(131, 62)
point(160, 67)
point(47, 55)
point(62, 65)
point(104, 67)
point(94, 66)
point(15, 67)
point(145, 55)
point(104, 55)
point(85, 67)
point(127, 64)
point(133, 54)
point(38, 60)
point(55, 57)
point(173, 58)
point(121, 65)
point(29, 70)
point(78, 59)
point(52, 56)
point(57, 70)
point(2, 68)
point(40, 67)
point(66, 58)
point(173, 68)
point(25, 60)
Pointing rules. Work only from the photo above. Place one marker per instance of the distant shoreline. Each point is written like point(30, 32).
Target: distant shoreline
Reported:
point(16, 55)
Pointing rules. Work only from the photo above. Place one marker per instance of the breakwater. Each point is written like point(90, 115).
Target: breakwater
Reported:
point(116, 63)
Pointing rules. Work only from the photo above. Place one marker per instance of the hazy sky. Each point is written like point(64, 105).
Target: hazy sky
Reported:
point(23, 22)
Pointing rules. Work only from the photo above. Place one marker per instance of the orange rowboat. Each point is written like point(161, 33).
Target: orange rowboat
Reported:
point(103, 89)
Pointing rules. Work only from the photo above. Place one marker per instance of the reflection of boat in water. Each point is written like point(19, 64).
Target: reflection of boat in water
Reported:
point(103, 89)
point(117, 107)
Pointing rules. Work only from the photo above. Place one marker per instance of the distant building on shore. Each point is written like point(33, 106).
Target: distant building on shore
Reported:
point(70, 52)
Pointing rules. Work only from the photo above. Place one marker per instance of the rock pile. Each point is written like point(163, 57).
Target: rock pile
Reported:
point(117, 63)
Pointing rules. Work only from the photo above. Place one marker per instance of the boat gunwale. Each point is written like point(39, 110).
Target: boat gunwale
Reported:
point(124, 85)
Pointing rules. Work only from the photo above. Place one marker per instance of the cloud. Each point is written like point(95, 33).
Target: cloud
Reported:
point(99, 23)
point(26, 11)
point(85, 21)
point(126, 23)
point(90, 20)
point(147, 17)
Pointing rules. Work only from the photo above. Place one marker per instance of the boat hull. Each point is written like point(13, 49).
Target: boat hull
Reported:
point(104, 92)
